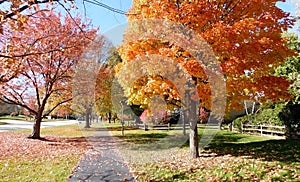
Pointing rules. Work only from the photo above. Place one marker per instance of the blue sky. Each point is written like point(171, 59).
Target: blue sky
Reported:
point(102, 17)
point(112, 24)
point(107, 20)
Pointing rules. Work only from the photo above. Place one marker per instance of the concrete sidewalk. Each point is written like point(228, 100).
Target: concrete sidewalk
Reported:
point(103, 163)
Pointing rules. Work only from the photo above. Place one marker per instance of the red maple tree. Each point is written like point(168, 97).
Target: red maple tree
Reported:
point(52, 45)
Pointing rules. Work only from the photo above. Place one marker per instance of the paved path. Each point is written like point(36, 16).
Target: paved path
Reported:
point(19, 125)
point(103, 163)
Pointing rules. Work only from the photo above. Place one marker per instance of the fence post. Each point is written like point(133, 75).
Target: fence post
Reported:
point(261, 131)
point(242, 128)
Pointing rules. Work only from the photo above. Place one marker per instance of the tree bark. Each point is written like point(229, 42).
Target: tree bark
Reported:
point(194, 141)
point(87, 119)
point(109, 117)
point(36, 132)
point(183, 117)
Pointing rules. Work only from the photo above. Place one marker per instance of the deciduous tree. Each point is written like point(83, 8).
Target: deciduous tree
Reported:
point(104, 90)
point(291, 70)
point(245, 37)
point(53, 45)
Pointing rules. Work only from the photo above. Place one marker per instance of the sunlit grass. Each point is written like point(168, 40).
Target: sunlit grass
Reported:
point(8, 117)
point(24, 118)
point(63, 131)
point(37, 169)
point(229, 157)
point(45, 167)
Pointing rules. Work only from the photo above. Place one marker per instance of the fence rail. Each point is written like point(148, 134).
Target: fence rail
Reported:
point(170, 126)
point(264, 129)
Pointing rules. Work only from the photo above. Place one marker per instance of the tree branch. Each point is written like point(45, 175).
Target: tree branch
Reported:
point(34, 53)
point(58, 104)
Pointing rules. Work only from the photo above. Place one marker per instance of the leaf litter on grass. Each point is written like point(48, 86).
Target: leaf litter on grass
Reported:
point(258, 160)
point(50, 159)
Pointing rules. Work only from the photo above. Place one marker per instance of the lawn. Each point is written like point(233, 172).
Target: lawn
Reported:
point(7, 117)
point(23, 118)
point(50, 159)
point(229, 157)
point(152, 155)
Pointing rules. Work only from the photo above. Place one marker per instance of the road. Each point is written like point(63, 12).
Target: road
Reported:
point(19, 125)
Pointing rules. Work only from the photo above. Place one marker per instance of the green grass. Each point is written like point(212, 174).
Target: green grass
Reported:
point(38, 169)
point(46, 168)
point(7, 117)
point(153, 156)
point(23, 118)
point(228, 157)
point(64, 131)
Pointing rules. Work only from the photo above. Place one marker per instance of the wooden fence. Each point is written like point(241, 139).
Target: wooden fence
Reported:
point(264, 129)
point(170, 127)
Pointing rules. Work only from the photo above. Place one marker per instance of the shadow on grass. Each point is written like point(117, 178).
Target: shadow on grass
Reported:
point(270, 150)
point(224, 143)
point(119, 128)
point(152, 141)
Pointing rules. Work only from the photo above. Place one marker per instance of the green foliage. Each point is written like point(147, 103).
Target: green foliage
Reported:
point(291, 67)
point(268, 115)
point(290, 114)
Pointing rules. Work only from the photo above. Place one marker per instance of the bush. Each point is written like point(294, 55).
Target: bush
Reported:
point(291, 116)
point(269, 115)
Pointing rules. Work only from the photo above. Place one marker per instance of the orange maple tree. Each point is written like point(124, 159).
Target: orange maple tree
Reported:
point(53, 45)
point(245, 37)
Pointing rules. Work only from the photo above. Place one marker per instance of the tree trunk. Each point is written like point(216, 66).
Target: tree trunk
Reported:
point(87, 119)
point(37, 127)
point(182, 113)
point(231, 126)
point(194, 141)
point(109, 117)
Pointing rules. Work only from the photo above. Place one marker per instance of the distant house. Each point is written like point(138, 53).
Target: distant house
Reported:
point(7, 109)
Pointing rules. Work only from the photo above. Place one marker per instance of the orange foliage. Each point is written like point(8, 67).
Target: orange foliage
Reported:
point(245, 37)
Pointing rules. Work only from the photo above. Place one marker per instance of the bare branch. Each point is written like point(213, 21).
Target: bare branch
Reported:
point(58, 104)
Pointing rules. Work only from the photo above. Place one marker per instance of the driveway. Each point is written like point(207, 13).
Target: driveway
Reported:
point(19, 125)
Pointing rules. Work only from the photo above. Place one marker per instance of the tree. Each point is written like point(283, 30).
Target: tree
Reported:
point(53, 47)
point(85, 79)
point(291, 70)
point(104, 91)
point(17, 12)
point(291, 67)
point(245, 37)
point(14, 16)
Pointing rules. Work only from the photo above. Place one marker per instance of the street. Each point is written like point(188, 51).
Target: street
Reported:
point(19, 125)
